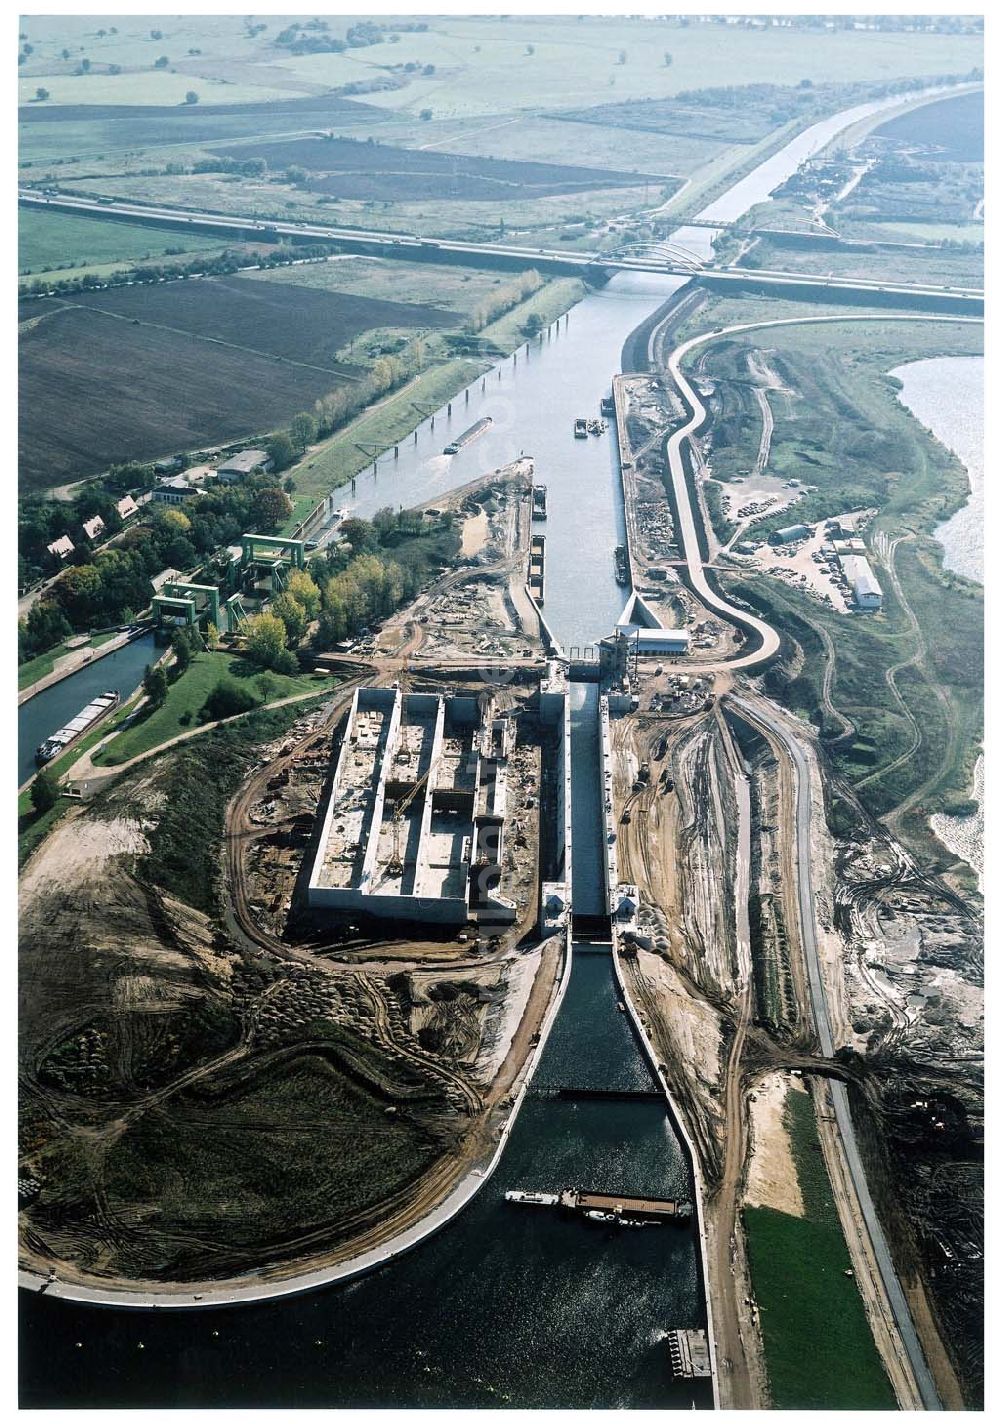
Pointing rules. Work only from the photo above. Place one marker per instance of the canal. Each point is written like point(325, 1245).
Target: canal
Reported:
point(505, 1306)
point(120, 671)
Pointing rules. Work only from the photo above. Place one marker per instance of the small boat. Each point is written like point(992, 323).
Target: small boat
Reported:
point(607, 405)
point(620, 1007)
point(580, 428)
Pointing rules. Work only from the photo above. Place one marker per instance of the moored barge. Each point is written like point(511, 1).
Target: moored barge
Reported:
point(84, 720)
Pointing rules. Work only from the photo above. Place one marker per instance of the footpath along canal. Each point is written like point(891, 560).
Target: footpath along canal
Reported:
point(504, 1306)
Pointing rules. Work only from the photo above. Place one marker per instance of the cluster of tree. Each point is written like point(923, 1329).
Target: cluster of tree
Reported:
point(228, 698)
point(45, 627)
point(785, 101)
point(361, 581)
point(271, 636)
point(370, 587)
point(244, 167)
point(41, 521)
point(285, 446)
point(229, 260)
point(313, 37)
point(385, 375)
point(503, 299)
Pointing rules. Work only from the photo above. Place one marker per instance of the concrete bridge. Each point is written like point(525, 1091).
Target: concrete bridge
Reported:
point(596, 267)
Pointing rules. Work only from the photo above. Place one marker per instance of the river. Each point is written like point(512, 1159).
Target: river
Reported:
point(504, 1306)
point(947, 395)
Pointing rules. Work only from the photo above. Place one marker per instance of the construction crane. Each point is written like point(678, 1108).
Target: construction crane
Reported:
point(399, 810)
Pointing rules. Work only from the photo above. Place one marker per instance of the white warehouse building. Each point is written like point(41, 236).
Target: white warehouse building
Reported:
point(865, 586)
point(643, 628)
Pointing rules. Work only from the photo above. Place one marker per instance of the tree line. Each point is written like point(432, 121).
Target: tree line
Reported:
point(224, 263)
point(503, 299)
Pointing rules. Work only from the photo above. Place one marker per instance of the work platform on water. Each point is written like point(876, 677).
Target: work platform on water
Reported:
point(689, 1357)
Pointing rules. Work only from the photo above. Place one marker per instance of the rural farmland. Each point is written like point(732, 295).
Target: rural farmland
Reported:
point(382, 173)
point(180, 365)
point(95, 390)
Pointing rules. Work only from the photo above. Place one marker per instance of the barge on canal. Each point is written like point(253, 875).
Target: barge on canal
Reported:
point(467, 436)
point(84, 720)
point(619, 1210)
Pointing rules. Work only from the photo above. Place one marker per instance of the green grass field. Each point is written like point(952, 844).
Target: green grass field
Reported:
point(186, 698)
point(938, 266)
point(56, 242)
point(457, 289)
point(577, 61)
point(818, 1348)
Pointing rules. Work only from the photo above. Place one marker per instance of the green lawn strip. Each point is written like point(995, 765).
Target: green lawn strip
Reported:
point(818, 1347)
point(186, 698)
point(549, 302)
point(384, 425)
point(302, 505)
point(36, 668)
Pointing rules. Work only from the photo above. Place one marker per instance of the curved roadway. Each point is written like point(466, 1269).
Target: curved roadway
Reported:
point(770, 639)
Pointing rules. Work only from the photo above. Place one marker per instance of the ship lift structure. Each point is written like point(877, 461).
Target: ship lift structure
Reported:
point(263, 559)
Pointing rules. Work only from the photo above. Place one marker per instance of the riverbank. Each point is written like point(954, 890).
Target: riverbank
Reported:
point(461, 1183)
point(946, 395)
point(76, 658)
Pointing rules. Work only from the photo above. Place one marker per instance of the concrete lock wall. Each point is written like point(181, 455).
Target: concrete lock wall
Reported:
point(608, 803)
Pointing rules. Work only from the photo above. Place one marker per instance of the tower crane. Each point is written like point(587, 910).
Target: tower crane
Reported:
point(399, 810)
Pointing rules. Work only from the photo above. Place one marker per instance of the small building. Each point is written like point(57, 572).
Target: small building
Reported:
point(175, 490)
point(242, 465)
point(165, 576)
point(645, 633)
point(864, 585)
point(849, 546)
point(789, 535)
point(61, 548)
point(94, 528)
point(126, 507)
point(169, 466)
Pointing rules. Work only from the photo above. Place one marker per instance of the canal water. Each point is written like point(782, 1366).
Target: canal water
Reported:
point(120, 671)
point(505, 1306)
point(947, 395)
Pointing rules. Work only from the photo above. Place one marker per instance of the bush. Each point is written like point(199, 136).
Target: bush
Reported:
point(44, 792)
point(227, 699)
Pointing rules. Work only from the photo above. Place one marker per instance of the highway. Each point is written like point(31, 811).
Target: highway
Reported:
point(407, 246)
